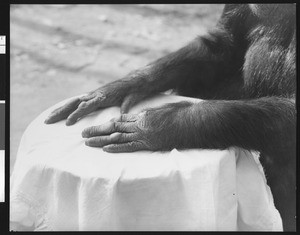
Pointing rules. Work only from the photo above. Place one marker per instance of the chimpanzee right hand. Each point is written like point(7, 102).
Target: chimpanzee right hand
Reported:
point(125, 93)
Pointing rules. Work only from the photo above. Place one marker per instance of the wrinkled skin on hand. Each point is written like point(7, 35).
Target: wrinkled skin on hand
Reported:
point(153, 129)
point(118, 93)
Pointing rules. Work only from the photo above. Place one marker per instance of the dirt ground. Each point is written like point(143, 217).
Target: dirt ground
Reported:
point(59, 51)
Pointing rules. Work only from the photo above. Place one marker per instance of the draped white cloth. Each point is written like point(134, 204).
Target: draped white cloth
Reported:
point(58, 183)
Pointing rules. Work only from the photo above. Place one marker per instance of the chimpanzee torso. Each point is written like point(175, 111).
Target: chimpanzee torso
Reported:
point(264, 55)
point(270, 66)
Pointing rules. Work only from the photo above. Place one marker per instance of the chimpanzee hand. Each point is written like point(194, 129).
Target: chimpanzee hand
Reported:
point(124, 92)
point(154, 129)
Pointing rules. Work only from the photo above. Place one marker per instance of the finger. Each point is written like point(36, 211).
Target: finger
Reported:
point(105, 129)
point(62, 112)
point(88, 97)
point(124, 147)
point(108, 128)
point(129, 101)
point(114, 138)
point(84, 108)
point(125, 118)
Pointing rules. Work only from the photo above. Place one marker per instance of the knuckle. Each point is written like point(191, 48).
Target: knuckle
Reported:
point(85, 98)
point(126, 117)
point(121, 137)
point(82, 105)
point(117, 136)
point(110, 126)
point(101, 92)
point(123, 117)
point(143, 114)
point(113, 119)
point(100, 97)
point(141, 126)
point(117, 126)
point(132, 144)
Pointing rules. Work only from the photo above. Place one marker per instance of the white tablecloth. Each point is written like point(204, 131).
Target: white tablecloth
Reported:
point(58, 183)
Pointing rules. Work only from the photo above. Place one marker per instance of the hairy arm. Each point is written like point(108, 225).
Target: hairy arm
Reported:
point(199, 64)
point(266, 124)
point(258, 124)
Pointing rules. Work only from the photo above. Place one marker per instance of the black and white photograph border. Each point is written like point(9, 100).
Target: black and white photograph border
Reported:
point(2, 67)
point(2, 150)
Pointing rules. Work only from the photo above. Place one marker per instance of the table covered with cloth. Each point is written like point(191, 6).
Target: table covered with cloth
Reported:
point(58, 183)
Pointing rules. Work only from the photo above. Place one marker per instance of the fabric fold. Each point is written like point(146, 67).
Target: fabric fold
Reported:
point(67, 186)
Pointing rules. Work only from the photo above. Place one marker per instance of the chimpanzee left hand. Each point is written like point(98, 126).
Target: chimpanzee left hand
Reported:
point(154, 129)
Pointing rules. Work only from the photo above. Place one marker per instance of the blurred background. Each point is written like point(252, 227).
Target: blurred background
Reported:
point(59, 51)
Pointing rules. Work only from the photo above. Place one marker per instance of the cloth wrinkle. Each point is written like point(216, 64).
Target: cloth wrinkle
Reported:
point(60, 184)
